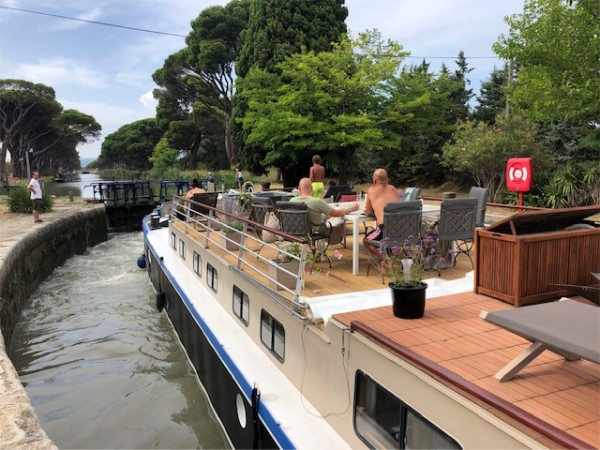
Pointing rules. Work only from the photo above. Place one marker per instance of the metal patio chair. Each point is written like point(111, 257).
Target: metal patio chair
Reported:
point(456, 228)
point(401, 224)
point(481, 194)
point(293, 218)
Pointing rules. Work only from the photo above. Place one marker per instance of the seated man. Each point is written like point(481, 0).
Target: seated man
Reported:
point(317, 207)
point(379, 195)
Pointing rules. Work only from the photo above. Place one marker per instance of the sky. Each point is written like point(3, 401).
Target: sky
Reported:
point(106, 72)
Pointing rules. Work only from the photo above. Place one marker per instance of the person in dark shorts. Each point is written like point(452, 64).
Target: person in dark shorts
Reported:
point(36, 196)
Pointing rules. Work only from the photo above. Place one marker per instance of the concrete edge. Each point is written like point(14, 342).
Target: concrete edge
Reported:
point(67, 235)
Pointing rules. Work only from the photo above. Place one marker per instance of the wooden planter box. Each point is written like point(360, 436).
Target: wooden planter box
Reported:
point(520, 259)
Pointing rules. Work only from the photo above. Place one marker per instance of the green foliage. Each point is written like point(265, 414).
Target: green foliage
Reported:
point(279, 28)
point(196, 86)
point(276, 30)
point(164, 156)
point(417, 119)
point(130, 146)
point(121, 174)
point(322, 103)
point(555, 47)
point(19, 201)
point(482, 150)
point(492, 98)
point(33, 123)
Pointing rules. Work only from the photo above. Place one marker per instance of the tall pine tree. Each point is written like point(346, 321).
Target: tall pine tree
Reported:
point(276, 30)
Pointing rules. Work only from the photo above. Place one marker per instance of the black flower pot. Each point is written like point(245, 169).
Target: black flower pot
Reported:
point(408, 302)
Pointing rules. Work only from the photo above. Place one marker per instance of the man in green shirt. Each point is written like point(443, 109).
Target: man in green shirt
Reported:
point(317, 208)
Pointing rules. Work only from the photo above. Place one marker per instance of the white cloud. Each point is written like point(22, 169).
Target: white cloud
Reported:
point(57, 71)
point(149, 101)
point(106, 114)
point(61, 25)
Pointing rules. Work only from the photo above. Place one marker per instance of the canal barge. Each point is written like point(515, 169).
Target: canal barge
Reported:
point(321, 362)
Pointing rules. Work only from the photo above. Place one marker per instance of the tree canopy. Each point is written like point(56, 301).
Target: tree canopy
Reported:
point(556, 47)
point(130, 146)
point(32, 119)
point(196, 83)
point(322, 102)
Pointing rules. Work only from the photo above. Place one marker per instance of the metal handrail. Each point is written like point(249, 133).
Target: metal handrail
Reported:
point(247, 255)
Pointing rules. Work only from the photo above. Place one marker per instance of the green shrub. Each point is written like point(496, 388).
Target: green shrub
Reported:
point(19, 201)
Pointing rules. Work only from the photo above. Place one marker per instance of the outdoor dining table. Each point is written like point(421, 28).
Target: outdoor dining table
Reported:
point(430, 212)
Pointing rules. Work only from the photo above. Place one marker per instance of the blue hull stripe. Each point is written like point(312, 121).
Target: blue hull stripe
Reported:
point(274, 428)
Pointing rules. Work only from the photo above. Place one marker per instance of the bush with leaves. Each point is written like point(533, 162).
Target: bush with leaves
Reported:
point(19, 201)
point(482, 150)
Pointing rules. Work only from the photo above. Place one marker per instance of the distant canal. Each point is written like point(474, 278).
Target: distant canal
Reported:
point(102, 367)
point(79, 188)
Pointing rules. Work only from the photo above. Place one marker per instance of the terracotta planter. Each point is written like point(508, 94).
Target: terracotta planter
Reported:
point(408, 302)
point(235, 236)
point(282, 277)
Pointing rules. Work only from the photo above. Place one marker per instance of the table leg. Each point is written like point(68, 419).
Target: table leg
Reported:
point(355, 248)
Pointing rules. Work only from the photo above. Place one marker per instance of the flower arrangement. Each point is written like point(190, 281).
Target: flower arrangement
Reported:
point(406, 263)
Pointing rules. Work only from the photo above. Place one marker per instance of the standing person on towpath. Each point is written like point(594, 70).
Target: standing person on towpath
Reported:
point(36, 196)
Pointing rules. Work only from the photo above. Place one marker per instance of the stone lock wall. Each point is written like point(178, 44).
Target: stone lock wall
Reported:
point(24, 264)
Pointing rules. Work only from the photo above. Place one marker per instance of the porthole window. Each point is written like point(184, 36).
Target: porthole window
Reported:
point(212, 277)
point(173, 240)
point(182, 248)
point(382, 420)
point(197, 263)
point(241, 305)
point(272, 334)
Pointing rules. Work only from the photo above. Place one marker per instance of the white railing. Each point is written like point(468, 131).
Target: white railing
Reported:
point(245, 245)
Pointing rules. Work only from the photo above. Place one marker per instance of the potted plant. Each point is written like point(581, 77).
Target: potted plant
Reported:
point(405, 264)
point(288, 259)
point(233, 234)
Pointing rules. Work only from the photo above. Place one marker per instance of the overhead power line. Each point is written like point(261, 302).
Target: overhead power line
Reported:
point(107, 24)
point(93, 21)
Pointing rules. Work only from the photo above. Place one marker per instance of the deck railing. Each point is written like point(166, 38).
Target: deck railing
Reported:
point(249, 253)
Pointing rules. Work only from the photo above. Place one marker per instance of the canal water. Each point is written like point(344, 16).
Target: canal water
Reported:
point(79, 188)
point(102, 367)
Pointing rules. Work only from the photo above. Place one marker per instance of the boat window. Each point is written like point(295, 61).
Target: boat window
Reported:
point(272, 334)
point(182, 248)
point(173, 240)
point(241, 305)
point(382, 420)
point(212, 277)
point(197, 263)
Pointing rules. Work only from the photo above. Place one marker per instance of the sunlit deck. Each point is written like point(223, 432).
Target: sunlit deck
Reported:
point(323, 280)
point(560, 397)
point(565, 394)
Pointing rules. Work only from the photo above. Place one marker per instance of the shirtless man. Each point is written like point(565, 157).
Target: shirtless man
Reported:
point(317, 207)
point(379, 195)
point(317, 175)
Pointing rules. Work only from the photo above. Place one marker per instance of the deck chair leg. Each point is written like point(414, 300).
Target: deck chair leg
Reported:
point(520, 362)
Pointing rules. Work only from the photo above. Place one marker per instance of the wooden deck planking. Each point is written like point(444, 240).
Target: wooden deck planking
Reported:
point(565, 394)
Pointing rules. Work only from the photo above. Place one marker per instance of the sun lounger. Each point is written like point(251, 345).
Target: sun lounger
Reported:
point(566, 327)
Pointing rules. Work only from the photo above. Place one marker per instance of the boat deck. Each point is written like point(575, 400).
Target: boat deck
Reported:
point(323, 280)
point(565, 394)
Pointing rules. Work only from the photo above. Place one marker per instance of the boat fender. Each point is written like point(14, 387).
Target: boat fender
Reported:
point(255, 418)
point(161, 300)
point(141, 262)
